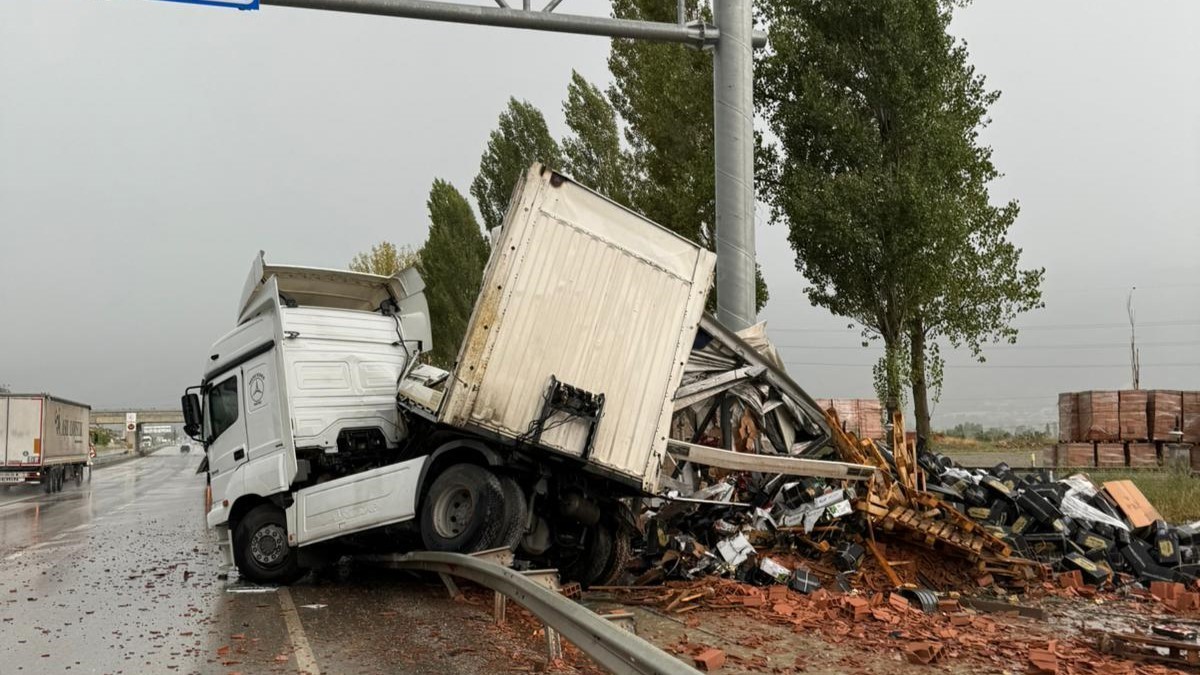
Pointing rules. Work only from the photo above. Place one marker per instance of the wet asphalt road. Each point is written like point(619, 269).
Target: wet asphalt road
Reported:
point(120, 575)
point(110, 576)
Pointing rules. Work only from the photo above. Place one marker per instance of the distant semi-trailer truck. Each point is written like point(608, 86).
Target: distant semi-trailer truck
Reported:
point(43, 439)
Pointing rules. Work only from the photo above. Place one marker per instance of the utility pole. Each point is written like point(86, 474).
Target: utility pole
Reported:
point(733, 127)
point(733, 40)
point(1134, 357)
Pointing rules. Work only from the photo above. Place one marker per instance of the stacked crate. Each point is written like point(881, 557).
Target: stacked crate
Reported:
point(1133, 407)
point(1166, 413)
point(1099, 415)
point(1125, 428)
point(1110, 455)
point(1191, 417)
point(1068, 417)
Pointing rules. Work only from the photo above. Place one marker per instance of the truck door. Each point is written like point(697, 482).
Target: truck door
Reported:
point(267, 447)
point(224, 428)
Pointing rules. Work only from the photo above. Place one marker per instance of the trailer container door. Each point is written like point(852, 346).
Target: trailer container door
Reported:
point(23, 432)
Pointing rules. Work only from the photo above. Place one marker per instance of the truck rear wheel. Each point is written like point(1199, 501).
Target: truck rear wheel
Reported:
point(260, 547)
point(593, 558)
point(459, 511)
point(516, 513)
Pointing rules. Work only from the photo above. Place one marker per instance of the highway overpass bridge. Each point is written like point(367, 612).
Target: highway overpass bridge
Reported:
point(134, 421)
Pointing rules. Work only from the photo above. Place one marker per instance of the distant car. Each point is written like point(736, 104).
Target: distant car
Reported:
point(185, 449)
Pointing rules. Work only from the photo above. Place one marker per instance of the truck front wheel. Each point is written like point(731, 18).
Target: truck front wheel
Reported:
point(260, 547)
point(460, 511)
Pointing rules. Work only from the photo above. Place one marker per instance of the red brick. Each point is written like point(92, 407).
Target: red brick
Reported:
point(985, 580)
point(960, 619)
point(1072, 579)
point(898, 602)
point(922, 652)
point(710, 659)
point(1042, 661)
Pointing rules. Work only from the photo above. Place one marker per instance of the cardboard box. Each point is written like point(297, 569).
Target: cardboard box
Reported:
point(1166, 413)
point(1111, 454)
point(1134, 411)
point(1068, 417)
point(1099, 416)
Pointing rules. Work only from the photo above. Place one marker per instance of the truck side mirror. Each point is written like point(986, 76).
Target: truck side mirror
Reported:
point(192, 417)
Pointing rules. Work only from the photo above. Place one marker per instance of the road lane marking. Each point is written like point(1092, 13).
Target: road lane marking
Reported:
point(305, 661)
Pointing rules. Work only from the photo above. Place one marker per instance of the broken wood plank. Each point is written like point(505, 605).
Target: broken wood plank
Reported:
point(790, 466)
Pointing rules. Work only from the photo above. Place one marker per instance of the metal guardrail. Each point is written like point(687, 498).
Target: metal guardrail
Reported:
point(610, 646)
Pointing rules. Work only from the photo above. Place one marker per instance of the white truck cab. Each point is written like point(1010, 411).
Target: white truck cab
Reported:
point(300, 396)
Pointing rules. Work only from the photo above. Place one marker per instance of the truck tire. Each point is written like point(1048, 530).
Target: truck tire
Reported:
point(516, 514)
point(58, 480)
point(618, 559)
point(458, 512)
point(47, 481)
point(591, 562)
point(260, 547)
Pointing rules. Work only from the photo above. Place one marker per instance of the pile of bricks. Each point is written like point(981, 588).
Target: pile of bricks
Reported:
point(1124, 428)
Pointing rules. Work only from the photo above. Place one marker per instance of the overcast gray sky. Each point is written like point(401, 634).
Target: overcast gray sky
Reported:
point(148, 150)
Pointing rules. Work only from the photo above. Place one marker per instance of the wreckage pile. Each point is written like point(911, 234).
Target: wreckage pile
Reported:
point(883, 515)
point(927, 522)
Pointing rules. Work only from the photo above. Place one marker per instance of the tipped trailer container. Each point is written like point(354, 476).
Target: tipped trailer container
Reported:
point(43, 439)
point(324, 426)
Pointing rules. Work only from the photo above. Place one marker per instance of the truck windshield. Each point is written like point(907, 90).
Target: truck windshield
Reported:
point(221, 407)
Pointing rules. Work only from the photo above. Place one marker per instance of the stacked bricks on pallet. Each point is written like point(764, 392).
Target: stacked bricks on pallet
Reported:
point(1110, 454)
point(1191, 417)
point(1075, 454)
point(862, 417)
point(1068, 417)
point(1143, 455)
point(1166, 413)
point(1099, 416)
point(1133, 409)
point(870, 418)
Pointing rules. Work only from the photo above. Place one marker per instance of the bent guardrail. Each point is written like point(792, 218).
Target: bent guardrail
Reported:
point(610, 646)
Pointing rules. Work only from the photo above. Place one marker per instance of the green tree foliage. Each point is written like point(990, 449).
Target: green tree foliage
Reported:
point(664, 94)
point(520, 139)
point(593, 154)
point(451, 263)
point(384, 259)
point(880, 177)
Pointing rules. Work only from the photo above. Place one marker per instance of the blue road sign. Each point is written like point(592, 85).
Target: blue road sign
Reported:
point(236, 4)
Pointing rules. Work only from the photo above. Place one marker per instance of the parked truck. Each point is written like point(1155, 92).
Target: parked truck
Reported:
point(323, 425)
point(43, 439)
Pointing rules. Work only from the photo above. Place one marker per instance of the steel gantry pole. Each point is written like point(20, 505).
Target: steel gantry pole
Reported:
point(733, 40)
point(733, 130)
